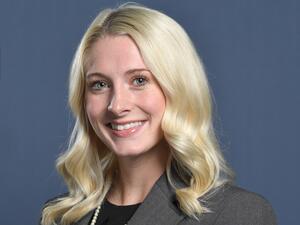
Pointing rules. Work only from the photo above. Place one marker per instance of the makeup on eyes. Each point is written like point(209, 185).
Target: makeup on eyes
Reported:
point(104, 80)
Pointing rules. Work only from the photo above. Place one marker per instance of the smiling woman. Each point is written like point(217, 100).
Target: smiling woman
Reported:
point(124, 102)
point(143, 150)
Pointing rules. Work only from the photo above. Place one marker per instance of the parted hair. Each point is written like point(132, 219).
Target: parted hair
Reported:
point(88, 166)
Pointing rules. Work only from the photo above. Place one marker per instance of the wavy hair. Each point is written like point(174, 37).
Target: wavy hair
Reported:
point(88, 166)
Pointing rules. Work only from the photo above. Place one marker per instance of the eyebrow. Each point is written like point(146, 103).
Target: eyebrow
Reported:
point(98, 74)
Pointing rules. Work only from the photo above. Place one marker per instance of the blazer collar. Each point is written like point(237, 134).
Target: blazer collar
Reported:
point(159, 207)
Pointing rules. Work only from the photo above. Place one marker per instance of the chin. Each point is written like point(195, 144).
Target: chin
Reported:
point(132, 152)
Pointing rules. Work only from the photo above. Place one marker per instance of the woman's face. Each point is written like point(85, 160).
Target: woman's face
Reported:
point(124, 102)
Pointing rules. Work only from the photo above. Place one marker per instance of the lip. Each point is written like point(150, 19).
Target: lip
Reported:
point(127, 132)
point(123, 122)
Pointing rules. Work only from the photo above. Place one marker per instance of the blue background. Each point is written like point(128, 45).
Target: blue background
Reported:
point(251, 52)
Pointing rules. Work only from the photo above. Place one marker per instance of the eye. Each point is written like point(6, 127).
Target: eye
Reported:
point(99, 85)
point(140, 81)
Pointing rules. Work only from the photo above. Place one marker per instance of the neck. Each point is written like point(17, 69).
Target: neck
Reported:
point(137, 175)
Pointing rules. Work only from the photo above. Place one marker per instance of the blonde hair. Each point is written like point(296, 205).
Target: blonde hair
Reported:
point(87, 166)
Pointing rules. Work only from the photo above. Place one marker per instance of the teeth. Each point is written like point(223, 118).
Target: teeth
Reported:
point(125, 126)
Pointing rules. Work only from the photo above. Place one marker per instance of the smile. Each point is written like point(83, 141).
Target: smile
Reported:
point(125, 126)
point(126, 129)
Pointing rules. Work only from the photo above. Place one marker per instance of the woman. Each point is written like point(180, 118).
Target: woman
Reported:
point(143, 149)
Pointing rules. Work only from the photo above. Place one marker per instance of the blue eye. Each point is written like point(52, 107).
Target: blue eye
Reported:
point(140, 81)
point(99, 85)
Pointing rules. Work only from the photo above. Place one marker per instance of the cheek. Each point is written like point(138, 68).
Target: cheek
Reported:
point(94, 108)
point(154, 103)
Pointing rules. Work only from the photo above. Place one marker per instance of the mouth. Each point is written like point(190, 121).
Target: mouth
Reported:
point(125, 126)
point(126, 129)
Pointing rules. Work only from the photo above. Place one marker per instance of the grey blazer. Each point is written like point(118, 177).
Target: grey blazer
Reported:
point(229, 205)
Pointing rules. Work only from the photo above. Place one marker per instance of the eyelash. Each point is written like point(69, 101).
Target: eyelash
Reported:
point(92, 85)
point(145, 81)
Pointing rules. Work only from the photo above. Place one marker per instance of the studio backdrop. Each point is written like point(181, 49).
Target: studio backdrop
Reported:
point(251, 54)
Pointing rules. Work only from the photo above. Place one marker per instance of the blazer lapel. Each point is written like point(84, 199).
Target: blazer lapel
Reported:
point(159, 207)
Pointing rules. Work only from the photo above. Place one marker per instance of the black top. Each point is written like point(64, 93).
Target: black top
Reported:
point(111, 214)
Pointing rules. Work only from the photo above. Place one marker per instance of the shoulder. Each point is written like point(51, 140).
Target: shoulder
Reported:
point(50, 201)
point(233, 205)
point(243, 207)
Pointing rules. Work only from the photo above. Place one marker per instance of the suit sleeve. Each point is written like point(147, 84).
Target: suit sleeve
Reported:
point(245, 208)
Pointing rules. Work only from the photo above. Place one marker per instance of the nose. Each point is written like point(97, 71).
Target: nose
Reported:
point(120, 101)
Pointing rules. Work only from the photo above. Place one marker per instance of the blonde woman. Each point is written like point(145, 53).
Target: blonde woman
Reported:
point(143, 150)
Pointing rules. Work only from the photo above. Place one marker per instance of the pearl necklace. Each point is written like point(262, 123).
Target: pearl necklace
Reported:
point(95, 216)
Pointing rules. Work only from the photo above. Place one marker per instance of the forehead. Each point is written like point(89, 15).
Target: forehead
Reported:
point(114, 54)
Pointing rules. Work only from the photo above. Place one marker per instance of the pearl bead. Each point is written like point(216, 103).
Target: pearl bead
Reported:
point(95, 216)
